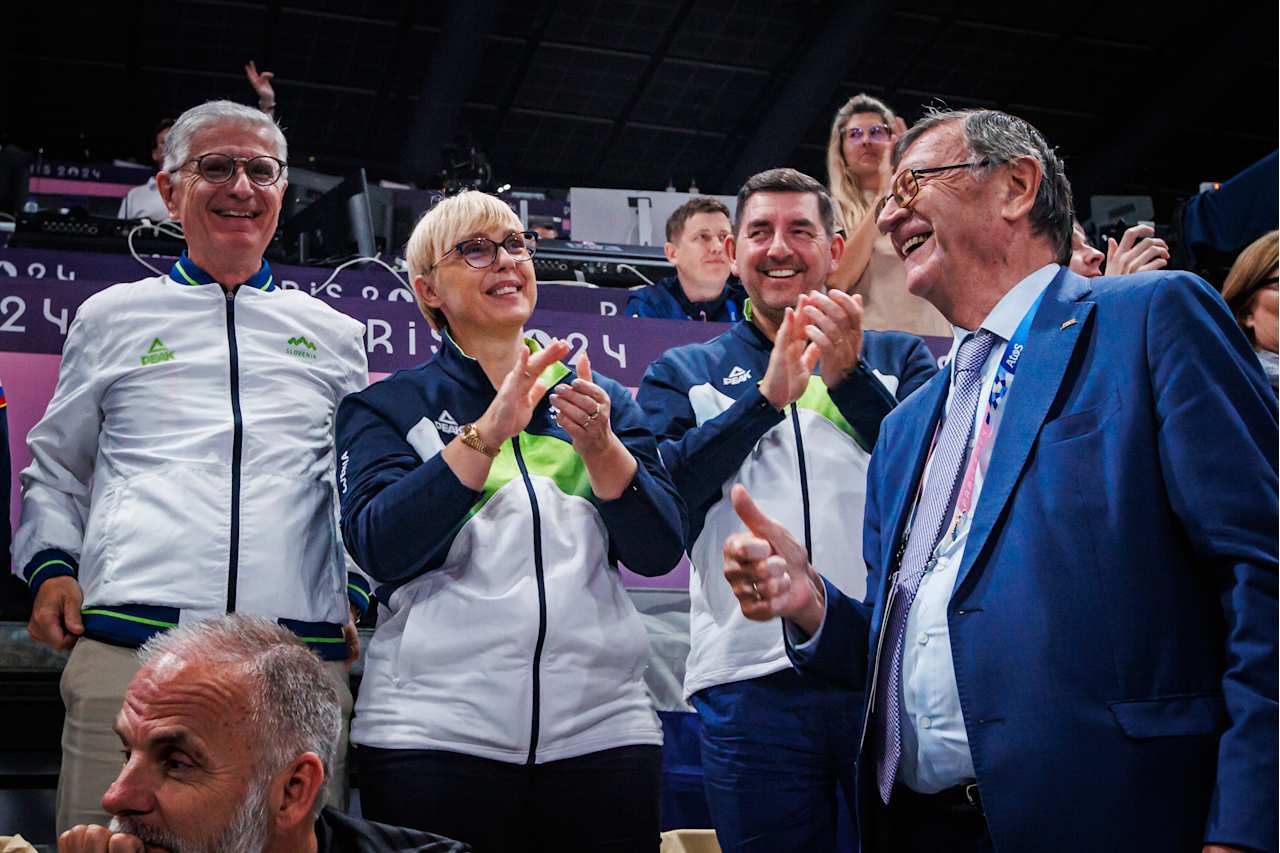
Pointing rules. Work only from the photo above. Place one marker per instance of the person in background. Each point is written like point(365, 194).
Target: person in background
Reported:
point(184, 467)
point(702, 288)
point(749, 407)
point(862, 135)
point(144, 201)
point(228, 733)
point(1138, 250)
point(1250, 292)
point(502, 701)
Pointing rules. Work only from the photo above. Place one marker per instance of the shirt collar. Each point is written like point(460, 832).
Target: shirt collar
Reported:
point(1004, 318)
point(186, 272)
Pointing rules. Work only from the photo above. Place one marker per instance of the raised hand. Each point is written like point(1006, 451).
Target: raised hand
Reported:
point(833, 321)
point(519, 394)
point(1139, 250)
point(261, 83)
point(790, 363)
point(769, 571)
point(55, 615)
point(584, 409)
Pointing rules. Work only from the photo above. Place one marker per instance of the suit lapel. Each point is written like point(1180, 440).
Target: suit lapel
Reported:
point(1051, 342)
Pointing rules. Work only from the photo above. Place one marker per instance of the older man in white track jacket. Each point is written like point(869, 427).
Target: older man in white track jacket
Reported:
point(184, 467)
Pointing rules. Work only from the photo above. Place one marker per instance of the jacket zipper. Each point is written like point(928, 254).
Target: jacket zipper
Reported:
point(804, 482)
point(237, 444)
point(542, 602)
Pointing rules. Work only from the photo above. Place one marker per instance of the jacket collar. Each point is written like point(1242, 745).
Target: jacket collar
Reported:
point(749, 333)
point(710, 309)
point(467, 370)
point(186, 272)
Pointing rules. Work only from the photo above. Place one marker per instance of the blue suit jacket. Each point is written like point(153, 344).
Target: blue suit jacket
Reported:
point(1113, 623)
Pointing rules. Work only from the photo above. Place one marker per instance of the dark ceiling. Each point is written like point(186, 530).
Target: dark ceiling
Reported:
point(636, 93)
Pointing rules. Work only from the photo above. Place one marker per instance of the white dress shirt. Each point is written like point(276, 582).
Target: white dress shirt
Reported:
point(935, 747)
point(144, 202)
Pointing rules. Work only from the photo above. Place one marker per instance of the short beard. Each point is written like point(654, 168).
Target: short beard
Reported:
point(245, 833)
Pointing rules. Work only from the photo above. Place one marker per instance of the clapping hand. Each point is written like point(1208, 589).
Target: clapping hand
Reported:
point(833, 321)
point(519, 394)
point(790, 363)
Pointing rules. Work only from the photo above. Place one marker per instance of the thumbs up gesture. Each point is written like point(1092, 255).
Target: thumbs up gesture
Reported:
point(769, 571)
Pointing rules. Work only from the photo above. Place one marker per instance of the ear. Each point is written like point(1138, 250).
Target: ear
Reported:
point(297, 786)
point(166, 186)
point(731, 249)
point(1022, 182)
point(837, 249)
point(669, 249)
point(425, 289)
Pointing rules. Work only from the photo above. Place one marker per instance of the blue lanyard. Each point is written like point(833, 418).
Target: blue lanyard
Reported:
point(1012, 355)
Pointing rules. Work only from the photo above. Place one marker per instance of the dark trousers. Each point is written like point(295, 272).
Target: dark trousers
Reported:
point(603, 801)
point(919, 823)
point(777, 752)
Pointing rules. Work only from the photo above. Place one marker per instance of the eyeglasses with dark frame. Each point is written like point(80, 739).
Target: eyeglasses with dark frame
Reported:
point(481, 252)
point(876, 133)
point(217, 168)
point(906, 184)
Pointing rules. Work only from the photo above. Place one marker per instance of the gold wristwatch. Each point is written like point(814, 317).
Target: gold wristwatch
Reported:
point(471, 438)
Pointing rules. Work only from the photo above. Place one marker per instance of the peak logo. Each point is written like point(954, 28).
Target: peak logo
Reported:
point(157, 353)
point(737, 376)
point(445, 423)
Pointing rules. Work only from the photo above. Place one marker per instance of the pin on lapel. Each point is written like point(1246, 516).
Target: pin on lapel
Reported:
point(1067, 324)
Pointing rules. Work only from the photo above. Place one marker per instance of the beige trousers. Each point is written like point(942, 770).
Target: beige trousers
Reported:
point(93, 687)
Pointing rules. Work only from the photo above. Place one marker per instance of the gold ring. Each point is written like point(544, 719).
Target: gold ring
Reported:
point(595, 414)
point(756, 591)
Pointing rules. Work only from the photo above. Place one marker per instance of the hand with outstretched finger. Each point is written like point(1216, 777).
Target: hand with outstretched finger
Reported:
point(769, 571)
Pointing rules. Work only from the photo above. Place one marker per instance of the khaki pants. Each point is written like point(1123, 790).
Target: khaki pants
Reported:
point(93, 687)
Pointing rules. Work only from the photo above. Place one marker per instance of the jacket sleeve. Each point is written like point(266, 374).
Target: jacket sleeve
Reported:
point(864, 400)
point(399, 513)
point(1217, 444)
point(355, 379)
point(647, 522)
point(64, 447)
point(701, 458)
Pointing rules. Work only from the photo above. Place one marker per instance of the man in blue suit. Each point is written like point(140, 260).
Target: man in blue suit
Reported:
point(1069, 635)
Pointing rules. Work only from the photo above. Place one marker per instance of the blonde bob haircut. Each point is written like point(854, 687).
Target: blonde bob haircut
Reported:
point(446, 225)
point(845, 191)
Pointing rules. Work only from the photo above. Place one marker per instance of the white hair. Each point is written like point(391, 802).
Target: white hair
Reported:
point(294, 707)
point(177, 145)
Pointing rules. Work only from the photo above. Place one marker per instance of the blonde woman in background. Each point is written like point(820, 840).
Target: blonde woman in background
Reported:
point(858, 173)
point(1250, 291)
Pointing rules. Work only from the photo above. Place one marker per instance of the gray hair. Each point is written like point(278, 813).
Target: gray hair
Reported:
point(786, 180)
point(997, 138)
point(177, 145)
point(294, 707)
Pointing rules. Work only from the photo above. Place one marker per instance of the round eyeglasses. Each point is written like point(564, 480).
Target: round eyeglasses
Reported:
point(906, 184)
point(481, 252)
point(217, 168)
point(875, 133)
